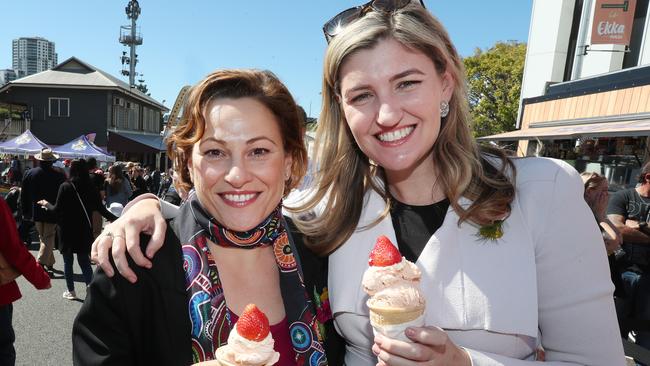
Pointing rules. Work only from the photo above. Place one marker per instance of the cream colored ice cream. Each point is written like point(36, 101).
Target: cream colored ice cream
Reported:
point(376, 278)
point(393, 284)
point(243, 352)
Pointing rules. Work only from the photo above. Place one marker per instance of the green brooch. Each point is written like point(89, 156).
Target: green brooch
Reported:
point(491, 232)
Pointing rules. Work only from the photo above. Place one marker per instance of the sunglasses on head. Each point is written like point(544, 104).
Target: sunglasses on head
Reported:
point(334, 26)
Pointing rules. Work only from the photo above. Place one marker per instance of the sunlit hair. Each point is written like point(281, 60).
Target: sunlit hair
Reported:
point(115, 178)
point(345, 174)
point(592, 180)
point(260, 85)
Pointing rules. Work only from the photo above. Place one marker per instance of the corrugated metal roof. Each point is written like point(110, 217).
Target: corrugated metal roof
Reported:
point(74, 72)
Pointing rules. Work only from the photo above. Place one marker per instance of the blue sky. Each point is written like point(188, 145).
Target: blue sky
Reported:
point(185, 40)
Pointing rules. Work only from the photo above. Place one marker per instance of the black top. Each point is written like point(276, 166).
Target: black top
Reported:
point(146, 323)
point(414, 225)
point(75, 231)
point(629, 204)
point(40, 184)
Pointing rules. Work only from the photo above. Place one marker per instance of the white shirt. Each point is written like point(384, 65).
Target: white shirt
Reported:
point(545, 281)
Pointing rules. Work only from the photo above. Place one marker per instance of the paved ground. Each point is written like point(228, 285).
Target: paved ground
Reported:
point(43, 319)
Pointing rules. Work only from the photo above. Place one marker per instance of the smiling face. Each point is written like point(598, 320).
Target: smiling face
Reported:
point(391, 97)
point(239, 166)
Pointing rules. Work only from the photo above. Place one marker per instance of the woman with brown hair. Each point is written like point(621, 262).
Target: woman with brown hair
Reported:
point(239, 148)
point(117, 187)
point(505, 246)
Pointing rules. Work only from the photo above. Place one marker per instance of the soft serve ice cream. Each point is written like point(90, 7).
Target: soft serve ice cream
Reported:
point(393, 284)
point(250, 343)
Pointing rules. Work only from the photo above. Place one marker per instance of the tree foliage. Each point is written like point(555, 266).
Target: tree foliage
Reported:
point(494, 86)
point(143, 88)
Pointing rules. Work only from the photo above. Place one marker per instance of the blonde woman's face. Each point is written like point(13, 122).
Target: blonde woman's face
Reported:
point(391, 97)
point(239, 166)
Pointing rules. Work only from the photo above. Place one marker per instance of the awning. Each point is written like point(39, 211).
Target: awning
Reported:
point(599, 129)
point(135, 142)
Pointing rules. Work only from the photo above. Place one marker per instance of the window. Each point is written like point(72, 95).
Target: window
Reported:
point(59, 107)
point(631, 57)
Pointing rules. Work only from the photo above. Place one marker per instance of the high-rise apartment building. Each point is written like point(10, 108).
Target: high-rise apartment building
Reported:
point(32, 55)
point(7, 75)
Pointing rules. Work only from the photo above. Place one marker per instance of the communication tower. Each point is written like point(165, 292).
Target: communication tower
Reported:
point(130, 37)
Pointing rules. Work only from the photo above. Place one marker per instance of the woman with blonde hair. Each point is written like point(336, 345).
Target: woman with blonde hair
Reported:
point(505, 246)
point(597, 197)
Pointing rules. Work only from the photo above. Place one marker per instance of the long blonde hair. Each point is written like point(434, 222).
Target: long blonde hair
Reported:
point(344, 174)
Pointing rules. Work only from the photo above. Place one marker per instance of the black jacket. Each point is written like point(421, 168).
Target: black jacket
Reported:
point(146, 323)
point(40, 184)
point(75, 232)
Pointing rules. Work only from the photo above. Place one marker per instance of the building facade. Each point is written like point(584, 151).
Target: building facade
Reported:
point(75, 98)
point(31, 55)
point(586, 86)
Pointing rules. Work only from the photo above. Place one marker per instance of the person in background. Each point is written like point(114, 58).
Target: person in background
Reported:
point(628, 209)
point(42, 183)
point(19, 257)
point(154, 187)
point(166, 182)
point(117, 186)
point(15, 171)
point(597, 197)
point(76, 200)
point(138, 182)
point(97, 180)
point(174, 194)
point(505, 246)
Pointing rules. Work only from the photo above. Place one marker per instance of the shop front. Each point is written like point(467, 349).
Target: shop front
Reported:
point(598, 124)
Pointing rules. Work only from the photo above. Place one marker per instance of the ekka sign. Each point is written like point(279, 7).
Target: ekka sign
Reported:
point(613, 22)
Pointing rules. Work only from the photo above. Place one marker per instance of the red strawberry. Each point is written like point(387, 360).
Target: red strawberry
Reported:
point(253, 324)
point(384, 253)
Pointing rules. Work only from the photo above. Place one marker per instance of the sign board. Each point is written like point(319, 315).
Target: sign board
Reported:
point(613, 22)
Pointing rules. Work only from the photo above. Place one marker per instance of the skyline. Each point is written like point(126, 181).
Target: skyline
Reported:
point(184, 42)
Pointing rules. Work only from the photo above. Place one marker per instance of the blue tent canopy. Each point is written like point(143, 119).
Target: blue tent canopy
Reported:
point(81, 147)
point(25, 143)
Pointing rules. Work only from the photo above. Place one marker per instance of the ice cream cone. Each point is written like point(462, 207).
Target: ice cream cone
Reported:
point(381, 315)
point(392, 322)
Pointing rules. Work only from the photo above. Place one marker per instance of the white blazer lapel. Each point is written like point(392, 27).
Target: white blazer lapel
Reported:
point(469, 283)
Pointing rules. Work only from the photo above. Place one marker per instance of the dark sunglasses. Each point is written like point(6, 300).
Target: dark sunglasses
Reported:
point(342, 19)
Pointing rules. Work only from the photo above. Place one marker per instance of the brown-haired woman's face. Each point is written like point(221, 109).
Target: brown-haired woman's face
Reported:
point(391, 100)
point(239, 167)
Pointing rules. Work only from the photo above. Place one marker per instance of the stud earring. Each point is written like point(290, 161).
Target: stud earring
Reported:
point(444, 109)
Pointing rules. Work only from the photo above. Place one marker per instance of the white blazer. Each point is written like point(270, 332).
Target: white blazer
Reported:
point(546, 281)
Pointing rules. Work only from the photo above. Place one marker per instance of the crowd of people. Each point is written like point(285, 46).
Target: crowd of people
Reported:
point(63, 203)
point(514, 264)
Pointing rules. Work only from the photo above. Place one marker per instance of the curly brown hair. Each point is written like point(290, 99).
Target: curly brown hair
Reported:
point(261, 85)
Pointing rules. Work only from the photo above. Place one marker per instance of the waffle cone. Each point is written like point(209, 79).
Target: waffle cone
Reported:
point(382, 316)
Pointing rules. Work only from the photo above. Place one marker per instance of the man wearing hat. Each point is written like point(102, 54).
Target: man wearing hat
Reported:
point(42, 183)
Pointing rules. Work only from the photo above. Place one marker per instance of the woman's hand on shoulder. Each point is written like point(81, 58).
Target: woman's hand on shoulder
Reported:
point(431, 346)
point(123, 235)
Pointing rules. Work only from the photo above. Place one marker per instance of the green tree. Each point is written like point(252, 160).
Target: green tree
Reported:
point(143, 88)
point(494, 86)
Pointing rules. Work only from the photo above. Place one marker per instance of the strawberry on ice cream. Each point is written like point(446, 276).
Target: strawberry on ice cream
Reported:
point(250, 343)
point(393, 283)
